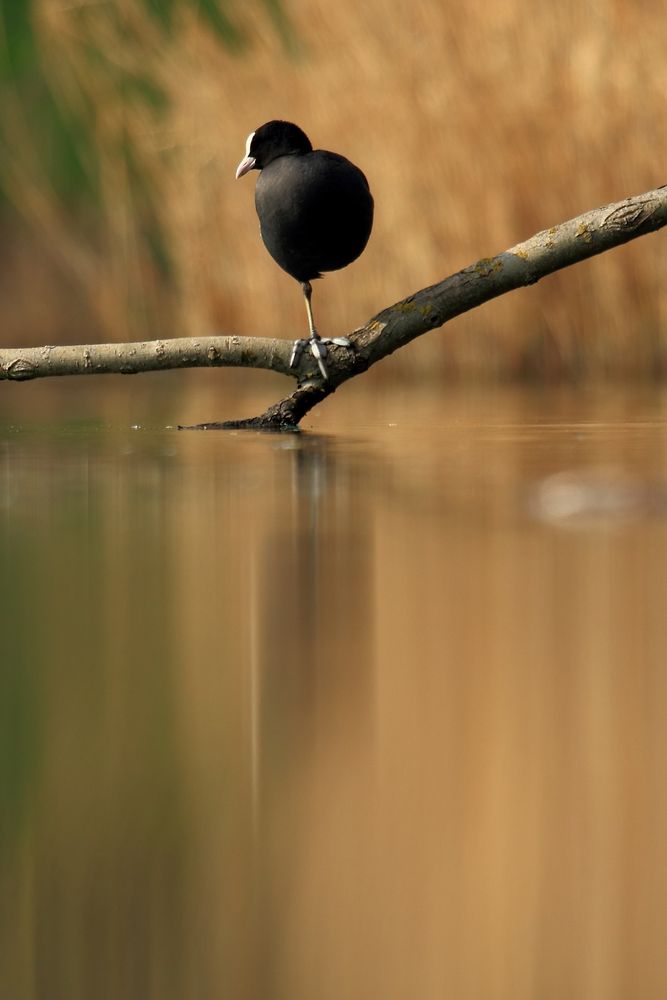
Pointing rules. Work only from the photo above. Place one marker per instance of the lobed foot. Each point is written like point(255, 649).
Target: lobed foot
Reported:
point(318, 349)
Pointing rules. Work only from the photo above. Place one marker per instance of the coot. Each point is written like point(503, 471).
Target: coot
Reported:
point(315, 212)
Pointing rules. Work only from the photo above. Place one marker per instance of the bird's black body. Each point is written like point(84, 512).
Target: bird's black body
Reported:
point(315, 208)
point(315, 212)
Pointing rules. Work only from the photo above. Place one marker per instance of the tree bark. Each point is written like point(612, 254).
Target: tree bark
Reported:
point(551, 250)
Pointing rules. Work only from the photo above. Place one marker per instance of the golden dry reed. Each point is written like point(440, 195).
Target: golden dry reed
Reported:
point(477, 124)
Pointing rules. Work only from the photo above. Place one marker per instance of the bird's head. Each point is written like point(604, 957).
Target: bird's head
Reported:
point(270, 141)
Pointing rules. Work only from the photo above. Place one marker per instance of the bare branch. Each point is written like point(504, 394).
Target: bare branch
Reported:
point(22, 364)
point(524, 264)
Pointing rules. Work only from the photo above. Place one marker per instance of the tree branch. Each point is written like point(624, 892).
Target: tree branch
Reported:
point(524, 264)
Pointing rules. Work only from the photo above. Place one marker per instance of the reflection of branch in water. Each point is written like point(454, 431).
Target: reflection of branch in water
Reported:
point(311, 678)
point(316, 581)
point(314, 592)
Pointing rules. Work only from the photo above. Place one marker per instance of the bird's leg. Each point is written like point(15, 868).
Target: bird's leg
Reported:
point(317, 347)
point(316, 343)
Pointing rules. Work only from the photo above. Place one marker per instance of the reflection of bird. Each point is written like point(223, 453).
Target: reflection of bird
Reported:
point(315, 212)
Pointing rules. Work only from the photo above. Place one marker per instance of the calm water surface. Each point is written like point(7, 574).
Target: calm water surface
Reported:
point(377, 711)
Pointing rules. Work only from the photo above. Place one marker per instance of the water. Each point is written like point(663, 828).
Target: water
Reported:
point(375, 711)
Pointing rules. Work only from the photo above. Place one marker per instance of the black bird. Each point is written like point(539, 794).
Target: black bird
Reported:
point(315, 212)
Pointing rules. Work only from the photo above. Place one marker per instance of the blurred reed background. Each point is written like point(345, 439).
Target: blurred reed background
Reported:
point(477, 125)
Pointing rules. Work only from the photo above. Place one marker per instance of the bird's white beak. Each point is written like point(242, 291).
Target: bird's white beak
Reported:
point(246, 164)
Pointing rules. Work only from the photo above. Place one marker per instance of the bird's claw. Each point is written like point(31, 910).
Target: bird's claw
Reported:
point(318, 349)
point(297, 351)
